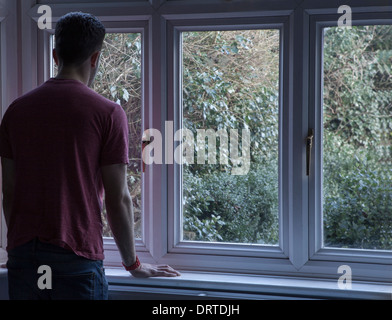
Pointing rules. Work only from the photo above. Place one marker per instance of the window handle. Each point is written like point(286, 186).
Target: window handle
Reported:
point(309, 145)
point(146, 140)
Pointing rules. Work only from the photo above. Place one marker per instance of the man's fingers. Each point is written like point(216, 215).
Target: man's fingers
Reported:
point(147, 270)
point(167, 271)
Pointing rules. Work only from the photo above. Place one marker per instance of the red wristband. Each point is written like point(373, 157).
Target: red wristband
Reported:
point(134, 266)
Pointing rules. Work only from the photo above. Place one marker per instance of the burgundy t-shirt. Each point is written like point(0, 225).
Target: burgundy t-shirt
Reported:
point(59, 135)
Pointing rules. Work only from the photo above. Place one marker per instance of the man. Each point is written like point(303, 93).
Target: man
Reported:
point(61, 146)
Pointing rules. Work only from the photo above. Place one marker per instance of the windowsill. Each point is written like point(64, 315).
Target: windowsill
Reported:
point(202, 285)
point(191, 285)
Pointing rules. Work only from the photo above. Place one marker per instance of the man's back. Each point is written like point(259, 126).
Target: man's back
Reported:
point(59, 136)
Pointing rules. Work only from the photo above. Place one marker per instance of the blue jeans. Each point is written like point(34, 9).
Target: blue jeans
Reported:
point(63, 275)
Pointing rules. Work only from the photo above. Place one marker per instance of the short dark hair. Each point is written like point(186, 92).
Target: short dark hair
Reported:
point(77, 36)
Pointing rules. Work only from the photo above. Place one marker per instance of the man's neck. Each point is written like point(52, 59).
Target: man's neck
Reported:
point(73, 75)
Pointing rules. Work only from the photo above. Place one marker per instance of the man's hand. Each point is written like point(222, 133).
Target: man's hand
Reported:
point(147, 270)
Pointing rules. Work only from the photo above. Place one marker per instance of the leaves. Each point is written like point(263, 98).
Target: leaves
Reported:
point(224, 207)
point(357, 140)
point(230, 80)
point(357, 143)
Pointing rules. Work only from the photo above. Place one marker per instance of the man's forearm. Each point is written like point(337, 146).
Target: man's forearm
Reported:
point(119, 209)
point(121, 221)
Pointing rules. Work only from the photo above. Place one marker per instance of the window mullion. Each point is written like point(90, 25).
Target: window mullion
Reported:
point(155, 191)
point(315, 178)
point(298, 131)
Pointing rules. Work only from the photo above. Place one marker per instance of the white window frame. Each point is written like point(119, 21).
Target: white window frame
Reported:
point(214, 251)
point(298, 253)
point(369, 261)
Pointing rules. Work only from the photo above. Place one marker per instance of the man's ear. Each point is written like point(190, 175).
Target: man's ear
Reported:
point(94, 59)
point(56, 59)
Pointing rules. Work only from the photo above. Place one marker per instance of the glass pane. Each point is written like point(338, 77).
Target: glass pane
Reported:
point(231, 113)
point(119, 79)
point(357, 146)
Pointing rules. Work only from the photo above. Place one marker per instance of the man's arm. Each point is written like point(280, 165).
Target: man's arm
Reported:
point(8, 186)
point(119, 210)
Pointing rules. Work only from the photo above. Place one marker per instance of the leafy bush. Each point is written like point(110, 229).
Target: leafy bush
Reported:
point(357, 199)
point(231, 82)
point(357, 137)
point(229, 208)
point(227, 85)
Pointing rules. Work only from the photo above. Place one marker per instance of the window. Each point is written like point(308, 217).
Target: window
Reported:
point(225, 82)
point(349, 192)
point(357, 144)
point(230, 91)
point(119, 80)
point(220, 73)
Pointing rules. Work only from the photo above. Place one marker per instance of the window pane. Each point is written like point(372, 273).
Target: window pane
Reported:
point(357, 149)
point(119, 79)
point(230, 107)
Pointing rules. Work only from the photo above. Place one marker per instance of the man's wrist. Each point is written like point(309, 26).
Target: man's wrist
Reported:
point(133, 266)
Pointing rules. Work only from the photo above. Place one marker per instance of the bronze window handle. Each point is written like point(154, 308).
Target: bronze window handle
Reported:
point(309, 145)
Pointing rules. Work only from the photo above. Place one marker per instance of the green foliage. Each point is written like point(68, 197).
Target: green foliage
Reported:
point(357, 137)
point(357, 200)
point(358, 84)
point(228, 85)
point(230, 81)
point(224, 207)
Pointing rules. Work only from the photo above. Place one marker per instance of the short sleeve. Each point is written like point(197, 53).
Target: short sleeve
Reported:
point(115, 144)
point(5, 144)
